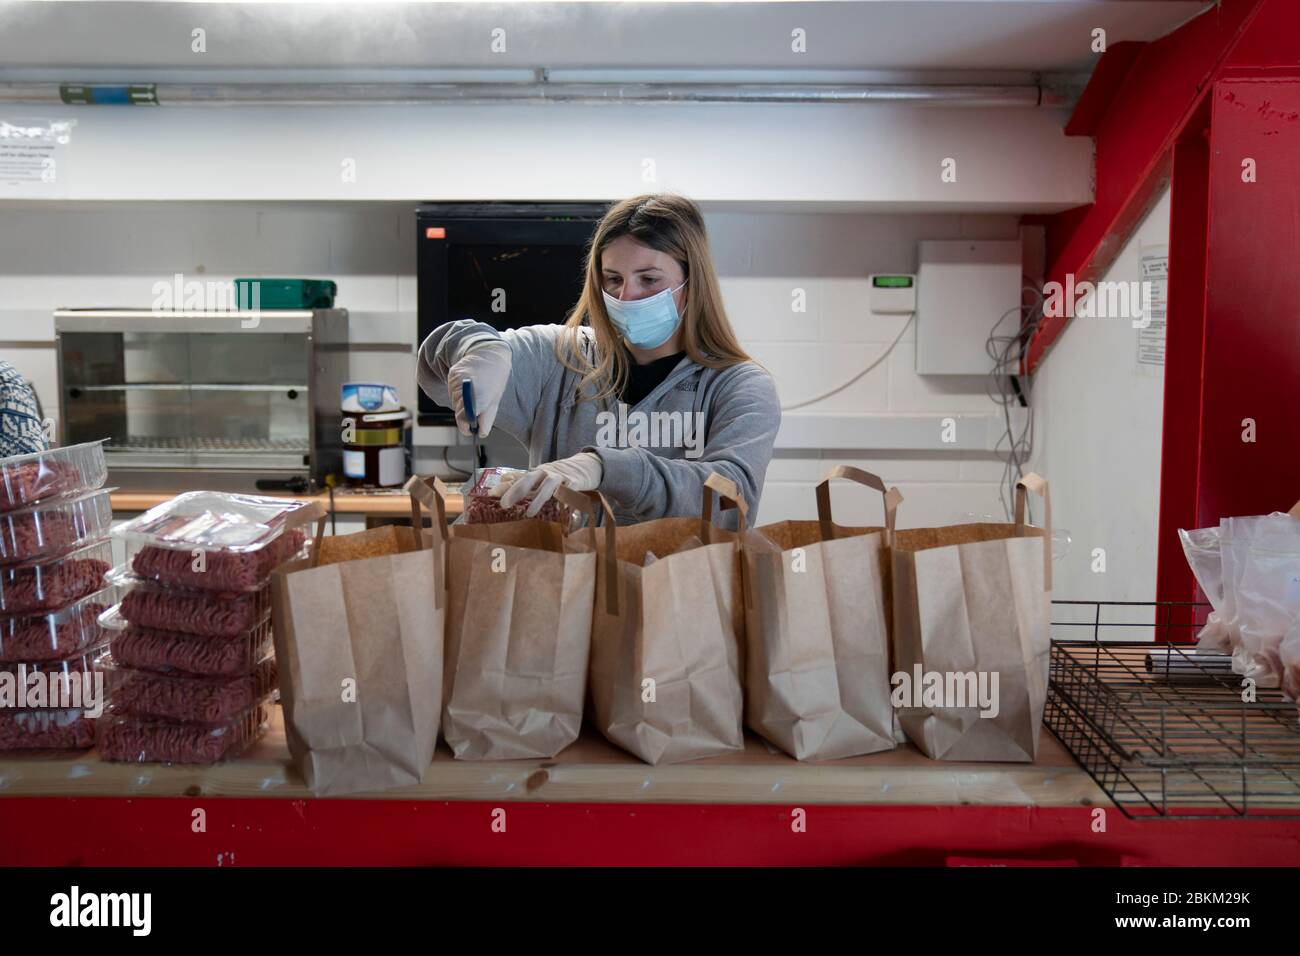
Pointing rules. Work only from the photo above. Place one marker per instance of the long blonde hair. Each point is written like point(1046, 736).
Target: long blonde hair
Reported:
point(673, 225)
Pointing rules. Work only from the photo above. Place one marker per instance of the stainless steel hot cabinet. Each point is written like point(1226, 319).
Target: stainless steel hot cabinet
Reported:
point(205, 394)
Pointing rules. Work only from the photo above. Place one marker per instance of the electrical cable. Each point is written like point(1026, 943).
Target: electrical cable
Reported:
point(1007, 351)
point(465, 475)
point(839, 388)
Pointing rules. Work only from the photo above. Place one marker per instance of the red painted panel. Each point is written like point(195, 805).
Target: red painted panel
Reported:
point(1252, 328)
point(1184, 348)
point(271, 832)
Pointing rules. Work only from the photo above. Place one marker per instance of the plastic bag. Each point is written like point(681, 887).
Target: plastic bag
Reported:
point(1201, 546)
point(482, 506)
point(1289, 652)
point(1267, 599)
point(1253, 552)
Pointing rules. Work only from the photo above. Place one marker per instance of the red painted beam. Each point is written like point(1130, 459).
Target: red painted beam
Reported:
point(110, 831)
point(1251, 370)
point(1180, 458)
point(1134, 143)
point(1103, 86)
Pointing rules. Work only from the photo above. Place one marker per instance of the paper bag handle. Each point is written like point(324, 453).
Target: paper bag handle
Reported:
point(611, 556)
point(1295, 510)
point(301, 516)
point(730, 496)
point(313, 509)
point(431, 494)
point(578, 502)
point(1037, 484)
point(893, 498)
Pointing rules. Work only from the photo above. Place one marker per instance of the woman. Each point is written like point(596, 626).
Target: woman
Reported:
point(649, 333)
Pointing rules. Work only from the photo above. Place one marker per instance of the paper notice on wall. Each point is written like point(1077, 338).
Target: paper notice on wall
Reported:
point(33, 152)
point(1155, 280)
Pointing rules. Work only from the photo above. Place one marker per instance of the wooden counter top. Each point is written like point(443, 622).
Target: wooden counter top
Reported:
point(594, 771)
point(345, 502)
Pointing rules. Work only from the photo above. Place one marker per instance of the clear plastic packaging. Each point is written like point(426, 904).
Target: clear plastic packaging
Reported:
point(55, 527)
point(201, 656)
point(205, 700)
point(214, 541)
point(1204, 556)
point(57, 634)
point(1246, 597)
point(1289, 651)
point(88, 661)
point(45, 731)
point(482, 507)
point(25, 479)
point(1268, 602)
point(1249, 569)
point(129, 739)
point(189, 610)
point(51, 583)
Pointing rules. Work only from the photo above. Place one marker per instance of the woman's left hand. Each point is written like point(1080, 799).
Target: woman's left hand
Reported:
point(582, 472)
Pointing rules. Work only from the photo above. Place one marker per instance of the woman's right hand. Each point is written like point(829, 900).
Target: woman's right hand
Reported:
point(487, 365)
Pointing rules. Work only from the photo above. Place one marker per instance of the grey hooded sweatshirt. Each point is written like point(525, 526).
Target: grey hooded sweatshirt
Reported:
point(722, 420)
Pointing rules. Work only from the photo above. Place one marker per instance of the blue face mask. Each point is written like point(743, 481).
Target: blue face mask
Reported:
point(645, 323)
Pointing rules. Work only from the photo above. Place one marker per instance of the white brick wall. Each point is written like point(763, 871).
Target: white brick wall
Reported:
point(829, 256)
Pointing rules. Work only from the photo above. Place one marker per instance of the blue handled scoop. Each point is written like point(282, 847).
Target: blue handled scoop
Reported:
point(471, 413)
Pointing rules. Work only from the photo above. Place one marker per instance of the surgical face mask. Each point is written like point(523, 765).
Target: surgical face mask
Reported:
point(645, 323)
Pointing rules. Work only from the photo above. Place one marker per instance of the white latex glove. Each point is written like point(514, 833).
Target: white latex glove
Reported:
point(582, 472)
point(488, 366)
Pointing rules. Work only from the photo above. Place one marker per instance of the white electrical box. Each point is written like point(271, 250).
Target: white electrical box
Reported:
point(963, 287)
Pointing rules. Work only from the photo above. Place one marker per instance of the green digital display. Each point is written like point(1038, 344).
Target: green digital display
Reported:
point(891, 282)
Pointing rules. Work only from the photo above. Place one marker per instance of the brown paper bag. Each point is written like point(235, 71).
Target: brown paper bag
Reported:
point(360, 649)
point(817, 631)
point(666, 655)
point(972, 605)
point(518, 635)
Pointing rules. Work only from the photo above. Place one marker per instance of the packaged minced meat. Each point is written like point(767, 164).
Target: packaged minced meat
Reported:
point(208, 613)
point(205, 700)
point(149, 740)
point(52, 583)
point(483, 507)
point(220, 570)
point(215, 541)
point(54, 528)
point(54, 635)
point(25, 479)
point(202, 656)
point(74, 682)
point(45, 730)
point(87, 661)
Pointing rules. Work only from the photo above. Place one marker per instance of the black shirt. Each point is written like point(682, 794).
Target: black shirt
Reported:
point(644, 379)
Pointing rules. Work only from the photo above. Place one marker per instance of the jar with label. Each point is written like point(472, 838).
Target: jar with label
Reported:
point(375, 448)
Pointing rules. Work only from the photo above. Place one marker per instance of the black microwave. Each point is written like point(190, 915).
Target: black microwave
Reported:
point(507, 264)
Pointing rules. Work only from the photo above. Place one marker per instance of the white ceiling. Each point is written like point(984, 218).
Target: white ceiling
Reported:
point(151, 40)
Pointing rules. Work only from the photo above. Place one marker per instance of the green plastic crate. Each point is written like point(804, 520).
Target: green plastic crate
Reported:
point(287, 293)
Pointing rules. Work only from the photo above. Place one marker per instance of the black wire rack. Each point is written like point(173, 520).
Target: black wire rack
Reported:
point(1164, 731)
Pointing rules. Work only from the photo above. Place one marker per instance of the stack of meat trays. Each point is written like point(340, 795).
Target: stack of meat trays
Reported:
point(193, 678)
point(54, 552)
